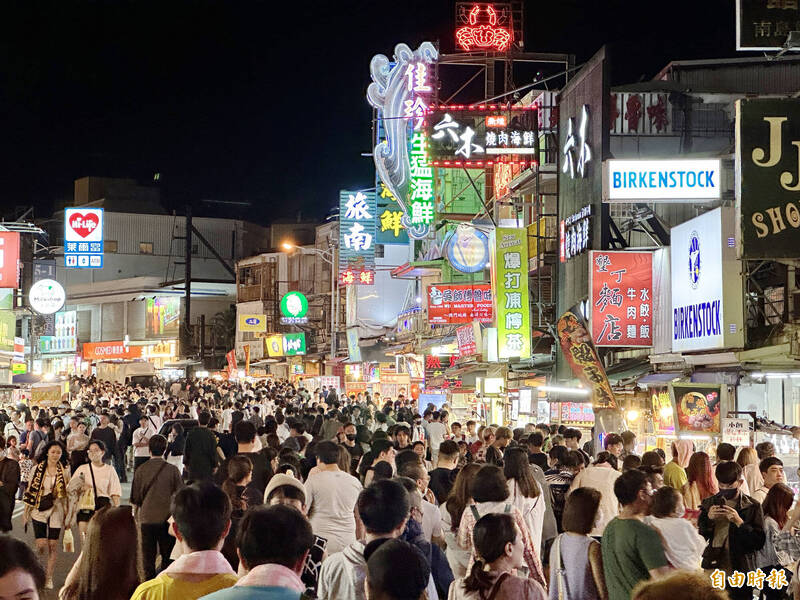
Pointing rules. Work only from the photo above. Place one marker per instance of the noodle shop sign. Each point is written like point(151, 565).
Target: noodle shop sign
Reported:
point(736, 431)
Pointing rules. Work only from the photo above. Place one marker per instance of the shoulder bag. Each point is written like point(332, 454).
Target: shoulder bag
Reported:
point(150, 485)
point(99, 501)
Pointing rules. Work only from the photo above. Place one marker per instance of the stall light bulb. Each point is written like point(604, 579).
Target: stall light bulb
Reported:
point(633, 415)
point(665, 412)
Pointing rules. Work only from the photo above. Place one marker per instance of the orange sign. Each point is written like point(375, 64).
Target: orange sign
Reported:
point(110, 350)
point(9, 259)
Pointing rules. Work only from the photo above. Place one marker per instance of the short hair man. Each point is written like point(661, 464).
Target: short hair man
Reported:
point(771, 469)
point(443, 476)
point(431, 515)
point(613, 444)
point(734, 524)
point(273, 543)
point(384, 510)
point(632, 551)
point(572, 439)
point(202, 514)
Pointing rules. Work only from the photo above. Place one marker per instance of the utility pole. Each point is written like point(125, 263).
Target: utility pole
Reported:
point(186, 349)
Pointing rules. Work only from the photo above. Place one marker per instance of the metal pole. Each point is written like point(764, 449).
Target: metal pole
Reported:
point(186, 349)
point(333, 305)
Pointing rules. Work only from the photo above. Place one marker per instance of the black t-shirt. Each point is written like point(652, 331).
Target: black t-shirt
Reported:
point(538, 458)
point(108, 437)
point(441, 483)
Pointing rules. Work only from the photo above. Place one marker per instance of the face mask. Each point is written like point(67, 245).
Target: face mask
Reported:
point(728, 494)
point(351, 436)
point(681, 513)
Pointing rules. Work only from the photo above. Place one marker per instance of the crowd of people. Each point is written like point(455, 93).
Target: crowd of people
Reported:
point(271, 490)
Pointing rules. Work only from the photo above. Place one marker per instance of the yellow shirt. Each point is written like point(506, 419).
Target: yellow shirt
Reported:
point(165, 587)
point(675, 475)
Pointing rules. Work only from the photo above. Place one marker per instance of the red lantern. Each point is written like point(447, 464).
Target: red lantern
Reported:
point(415, 391)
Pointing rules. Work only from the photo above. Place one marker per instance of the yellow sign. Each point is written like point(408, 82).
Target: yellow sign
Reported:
point(252, 323)
point(274, 345)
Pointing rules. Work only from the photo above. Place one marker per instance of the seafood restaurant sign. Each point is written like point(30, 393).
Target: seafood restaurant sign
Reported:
point(768, 158)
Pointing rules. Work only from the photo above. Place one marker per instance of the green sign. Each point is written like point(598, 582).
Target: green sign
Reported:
point(294, 308)
point(8, 326)
point(510, 282)
point(294, 344)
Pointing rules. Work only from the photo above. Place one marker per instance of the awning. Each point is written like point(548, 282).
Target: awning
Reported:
point(658, 378)
point(627, 372)
point(420, 268)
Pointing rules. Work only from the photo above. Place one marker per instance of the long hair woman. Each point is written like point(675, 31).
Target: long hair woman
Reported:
point(499, 550)
point(47, 505)
point(776, 513)
point(701, 482)
point(524, 492)
point(110, 564)
point(489, 491)
point(240, 473)
point(454, 506)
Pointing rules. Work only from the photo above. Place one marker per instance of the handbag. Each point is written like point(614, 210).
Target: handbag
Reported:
point(561, 572)
point(46, 502)
point(712, 557)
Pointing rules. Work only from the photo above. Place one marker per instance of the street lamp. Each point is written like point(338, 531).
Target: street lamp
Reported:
point(327, 256)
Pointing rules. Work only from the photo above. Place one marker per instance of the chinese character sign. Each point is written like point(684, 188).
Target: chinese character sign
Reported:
point(459, 303)
point(459, 137)
point(390, 227)
point(83, 238)
point(575, 234)
point(420, 189)
point(765, 24)
point(621, 285)
point(357, 232)
point(576, 344)
point(510, 282)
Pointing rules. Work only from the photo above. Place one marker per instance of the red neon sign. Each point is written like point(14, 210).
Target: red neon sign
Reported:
point(482, 31)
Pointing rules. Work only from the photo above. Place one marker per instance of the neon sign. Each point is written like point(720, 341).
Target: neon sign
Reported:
point(357, 231)
point(400, 92)
point(483, 28)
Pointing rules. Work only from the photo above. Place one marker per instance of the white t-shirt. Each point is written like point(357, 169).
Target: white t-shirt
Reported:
point(436, 433)
point(431, 520)
point(142, 435)
point(331, 497)
point(105, 479)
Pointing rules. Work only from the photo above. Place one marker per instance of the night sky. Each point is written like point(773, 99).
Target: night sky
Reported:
point(248, 102)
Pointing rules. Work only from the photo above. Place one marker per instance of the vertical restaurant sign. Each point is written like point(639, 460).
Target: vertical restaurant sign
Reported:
point(621, 285)
point(357, 231)
point(510, 270)
point(468, 339)
point(83, 238)
point(768, 155)
point(353, 349)
point(575, 234)
point(231, 358)
point(247, 360)
point(459, 303)
point(420, 185)
point(9, 259)
point(576, 344)
point(765, 24)
point(390, 227)
point(697, 406)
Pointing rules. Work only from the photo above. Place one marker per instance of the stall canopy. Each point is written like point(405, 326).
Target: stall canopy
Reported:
point(658, 378)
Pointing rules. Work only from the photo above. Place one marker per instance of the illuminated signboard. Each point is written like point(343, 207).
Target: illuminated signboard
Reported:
point(253, 323)
point(400, 92)
point(459, 136)
point(83, 238)
point(459, 303)
point(577, 153)
point(357, 230)
point(294, 308)
point(9, 259)
point(468, 249)
point(575, 234)
point(510, 270)
point(66, 334)
point(162, 316)
point(287, 344)
point(621, 288)
point(391, 229)
point(483, 27)
point(661, 180)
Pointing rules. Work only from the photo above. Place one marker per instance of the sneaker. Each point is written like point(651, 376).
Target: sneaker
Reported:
point(48, 585)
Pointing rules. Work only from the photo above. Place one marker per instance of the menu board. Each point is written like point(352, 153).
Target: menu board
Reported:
point(572, 413)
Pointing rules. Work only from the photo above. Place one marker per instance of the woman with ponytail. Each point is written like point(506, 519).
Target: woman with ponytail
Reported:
point(499, 551)
point(242, 496)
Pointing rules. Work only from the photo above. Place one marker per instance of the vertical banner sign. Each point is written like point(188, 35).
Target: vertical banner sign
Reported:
point(420, 189)
point(511, 293)
point(621, 285)
point(83, 238)
point(353, 349)
point(468, 339)
point(9, 259)
point(231, 358)
point(391, 231)
point(357, 230)
point(576, 344)
point(767, 147)
point(247, 360)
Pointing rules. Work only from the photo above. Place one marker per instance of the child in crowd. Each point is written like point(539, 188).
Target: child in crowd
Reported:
point(683, 546)
point(26, 466)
